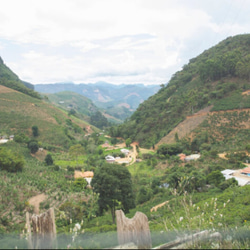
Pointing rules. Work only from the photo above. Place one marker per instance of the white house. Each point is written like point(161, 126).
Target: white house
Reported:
point(3, 141)
point(228, 173)
point(192, 157)
point(241, 181)
point(125, 151)
point(110, 159)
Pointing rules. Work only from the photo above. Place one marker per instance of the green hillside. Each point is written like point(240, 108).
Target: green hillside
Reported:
point(216, 77)
point(11, 80)
point(81, 107)
point(71, 100)
point(20, 112)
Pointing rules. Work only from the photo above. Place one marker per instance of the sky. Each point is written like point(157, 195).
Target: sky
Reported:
point(116, 41)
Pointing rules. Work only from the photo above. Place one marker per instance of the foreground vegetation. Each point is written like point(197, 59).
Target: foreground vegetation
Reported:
point(198, 196)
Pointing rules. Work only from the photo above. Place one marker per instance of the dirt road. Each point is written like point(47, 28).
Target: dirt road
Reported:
point(36, 200)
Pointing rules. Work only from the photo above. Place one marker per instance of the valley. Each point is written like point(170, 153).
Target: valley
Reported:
point(181, 157)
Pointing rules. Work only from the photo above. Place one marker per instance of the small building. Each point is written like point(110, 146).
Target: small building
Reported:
point(11, 137)
point(182, 157)
point(242, 182)
point(3, 141)
point(88, 175)
point(246, 171)
point(125, 151)
point(228, 173)
point(110, 159)
point(192, 157)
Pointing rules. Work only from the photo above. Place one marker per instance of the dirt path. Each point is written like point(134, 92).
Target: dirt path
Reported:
point(36, 200)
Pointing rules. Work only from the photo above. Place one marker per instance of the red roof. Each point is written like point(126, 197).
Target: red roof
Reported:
point(246, 170)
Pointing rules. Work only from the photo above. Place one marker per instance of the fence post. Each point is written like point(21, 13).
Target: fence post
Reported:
point(134, 230)
point(44, 230)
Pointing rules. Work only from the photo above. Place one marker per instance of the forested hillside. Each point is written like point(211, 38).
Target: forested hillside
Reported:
point(11, 80)
point(217, 77)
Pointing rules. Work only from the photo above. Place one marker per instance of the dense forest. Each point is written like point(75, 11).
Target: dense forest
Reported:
point(216, 76)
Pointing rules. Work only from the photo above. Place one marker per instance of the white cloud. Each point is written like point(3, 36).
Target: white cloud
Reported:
point(113, 40)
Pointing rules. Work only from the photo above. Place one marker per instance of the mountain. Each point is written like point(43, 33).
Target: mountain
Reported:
point(82, 107)
point(218, 79)
point(119, 101)
point(11, 80)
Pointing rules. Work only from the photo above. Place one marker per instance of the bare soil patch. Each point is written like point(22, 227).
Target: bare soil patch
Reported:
point(4, 89)
point(36, 200)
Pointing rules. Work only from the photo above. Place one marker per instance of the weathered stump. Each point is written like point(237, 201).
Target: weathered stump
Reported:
point(44, 230)
point(134, 230)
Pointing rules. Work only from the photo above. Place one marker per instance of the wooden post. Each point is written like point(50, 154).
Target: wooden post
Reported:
point(134, 230)
point(30, 245)
point(44, 230)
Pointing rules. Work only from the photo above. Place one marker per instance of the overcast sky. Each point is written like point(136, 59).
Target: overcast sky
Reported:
point(117, 41)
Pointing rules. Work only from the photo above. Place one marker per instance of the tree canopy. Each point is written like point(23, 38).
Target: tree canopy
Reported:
point(114, 185)
point(10, 161)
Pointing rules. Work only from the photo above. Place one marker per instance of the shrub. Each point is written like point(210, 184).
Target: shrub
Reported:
point(33, 146)
point(48, 160)
point(11, 162)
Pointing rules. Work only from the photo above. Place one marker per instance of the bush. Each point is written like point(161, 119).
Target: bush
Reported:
point(228, 183)
point(10, 162)
point(33, 146)
point(48, 160)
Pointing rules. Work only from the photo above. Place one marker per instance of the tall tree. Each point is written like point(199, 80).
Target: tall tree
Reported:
point(114, 185)
point(35, 130)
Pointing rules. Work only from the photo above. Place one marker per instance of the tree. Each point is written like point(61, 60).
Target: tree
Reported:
point(48, 159)
point(128, 142)
point(35, 131)
point(114, 185)
point(176, 137)
point(33, 146)
point(215, 178)
point(71, 112)
point(10, 161)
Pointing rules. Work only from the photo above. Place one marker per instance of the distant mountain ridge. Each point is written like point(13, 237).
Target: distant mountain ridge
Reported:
point(119, 101)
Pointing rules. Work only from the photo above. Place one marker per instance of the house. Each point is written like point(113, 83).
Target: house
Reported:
point(246, 171)
point(192, 157)
point(125, 151)
point(182, 157)
point(242, 182)
point(11, 137)
point(228, 173)
point(88, 175)
point(3, 141)
point(110, 159)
